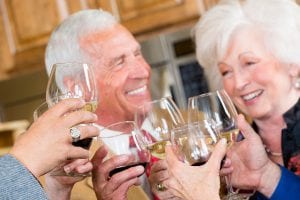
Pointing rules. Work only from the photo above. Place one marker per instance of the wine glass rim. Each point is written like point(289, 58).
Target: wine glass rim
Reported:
point(208, 94)
point(116, 124)
point(156, 100)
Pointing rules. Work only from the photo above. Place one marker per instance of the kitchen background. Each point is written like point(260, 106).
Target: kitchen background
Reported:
point(162, 26)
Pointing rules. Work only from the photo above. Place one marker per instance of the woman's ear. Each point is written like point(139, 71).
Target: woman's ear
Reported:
point(294, 70)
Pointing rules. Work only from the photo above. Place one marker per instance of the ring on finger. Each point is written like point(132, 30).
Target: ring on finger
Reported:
point(160, 187)
point(75, 134)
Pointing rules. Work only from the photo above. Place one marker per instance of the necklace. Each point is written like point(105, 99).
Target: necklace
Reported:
point(276, 154)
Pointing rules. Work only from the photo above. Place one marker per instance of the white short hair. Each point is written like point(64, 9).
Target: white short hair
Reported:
point(63, 45)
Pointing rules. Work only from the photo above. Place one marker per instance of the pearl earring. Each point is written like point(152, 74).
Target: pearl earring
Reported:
point(297, 83)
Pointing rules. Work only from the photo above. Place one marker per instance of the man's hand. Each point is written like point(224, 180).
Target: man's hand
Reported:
point(115, 187)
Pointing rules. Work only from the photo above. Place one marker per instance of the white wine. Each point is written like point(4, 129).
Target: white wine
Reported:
point(91, 106)
point(158, 149)
point(231, 136)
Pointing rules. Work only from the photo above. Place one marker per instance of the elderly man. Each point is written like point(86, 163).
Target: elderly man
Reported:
point(122, 76)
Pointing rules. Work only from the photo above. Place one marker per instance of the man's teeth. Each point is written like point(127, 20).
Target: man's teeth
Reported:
point(139, 90)
point(251, 96)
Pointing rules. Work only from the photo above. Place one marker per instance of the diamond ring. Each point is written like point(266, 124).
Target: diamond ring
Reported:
point(75, 134)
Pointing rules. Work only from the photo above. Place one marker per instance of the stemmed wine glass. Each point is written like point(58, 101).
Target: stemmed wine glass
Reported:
point(72, 80)
point(124, 138)
point(216, 112)
point(156, 119)
point(193, 143)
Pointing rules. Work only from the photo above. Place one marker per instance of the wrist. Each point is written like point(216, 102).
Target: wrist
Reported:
point(269, 179)
point(54, 188)
point(26, 162)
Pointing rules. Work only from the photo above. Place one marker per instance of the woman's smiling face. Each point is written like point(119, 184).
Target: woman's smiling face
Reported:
point(256, 81)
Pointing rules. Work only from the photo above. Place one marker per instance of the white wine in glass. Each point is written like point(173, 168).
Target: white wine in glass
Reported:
point(156, 119)
point(73, 80)
point(216, 111)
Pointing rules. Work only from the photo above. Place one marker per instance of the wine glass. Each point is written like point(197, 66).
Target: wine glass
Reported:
point(124, 138)
point(156, 119)
point(72, 80)
point(216, 111)
point(193, 143)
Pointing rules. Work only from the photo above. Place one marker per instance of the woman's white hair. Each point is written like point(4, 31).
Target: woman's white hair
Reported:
point(277, 20)
point(63, 45)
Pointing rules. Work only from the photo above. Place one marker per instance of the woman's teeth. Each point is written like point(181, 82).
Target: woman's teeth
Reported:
point(251, 96)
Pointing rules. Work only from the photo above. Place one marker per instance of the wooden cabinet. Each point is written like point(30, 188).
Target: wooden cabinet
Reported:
point(142, 17)
point(25, 25)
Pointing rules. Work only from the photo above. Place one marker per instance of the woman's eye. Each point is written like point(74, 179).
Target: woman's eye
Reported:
point(250, 63)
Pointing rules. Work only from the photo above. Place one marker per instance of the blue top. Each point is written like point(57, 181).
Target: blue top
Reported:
point(17, 182)
point(288, 187)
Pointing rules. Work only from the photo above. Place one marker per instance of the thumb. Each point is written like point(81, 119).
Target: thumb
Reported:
point(171, 158)
point(245, 127)
point(218, 154)
point(99, 156)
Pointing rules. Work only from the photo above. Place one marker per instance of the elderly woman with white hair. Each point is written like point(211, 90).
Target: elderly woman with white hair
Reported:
point(252, 49)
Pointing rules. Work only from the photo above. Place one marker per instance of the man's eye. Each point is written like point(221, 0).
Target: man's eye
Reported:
point(119, 62)
point(138, 53)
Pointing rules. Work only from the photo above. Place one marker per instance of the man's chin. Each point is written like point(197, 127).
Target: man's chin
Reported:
point(138, 100)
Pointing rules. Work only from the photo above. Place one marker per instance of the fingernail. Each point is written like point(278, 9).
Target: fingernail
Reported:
point(140, 169)
point(67, 169)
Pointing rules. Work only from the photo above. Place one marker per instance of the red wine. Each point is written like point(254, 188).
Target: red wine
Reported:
point(119, 169)
point(85, 143)
point(199, 163)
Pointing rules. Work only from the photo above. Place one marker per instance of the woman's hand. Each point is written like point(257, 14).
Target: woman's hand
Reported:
point(48, 142)
point(196, 182)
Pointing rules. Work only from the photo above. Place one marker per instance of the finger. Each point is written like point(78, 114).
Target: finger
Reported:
point(119, 178)
point(122, 190)
point(218, 154)
point(76, 164)
point(159, 166)
point(65, 106)
point(81, 169)
point(159, 176)
point(99, 156)
point(171, 158)
point(226, 171)
point(79, 117)
point(77, 153)
point(116, 161)
point(244, 127)
point(87, 131)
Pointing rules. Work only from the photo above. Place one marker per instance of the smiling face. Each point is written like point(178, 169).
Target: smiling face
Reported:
point(121, 72)
point(258, 83)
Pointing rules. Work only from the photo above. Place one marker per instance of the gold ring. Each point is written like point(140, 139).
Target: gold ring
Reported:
point(160, 187)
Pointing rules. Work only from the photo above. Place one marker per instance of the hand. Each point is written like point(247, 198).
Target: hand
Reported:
point(192, 182)
point(61, 186)
point(158, 174)
point(115, 187)
point(227, 168)
point(48, 143)
point(252, 169)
